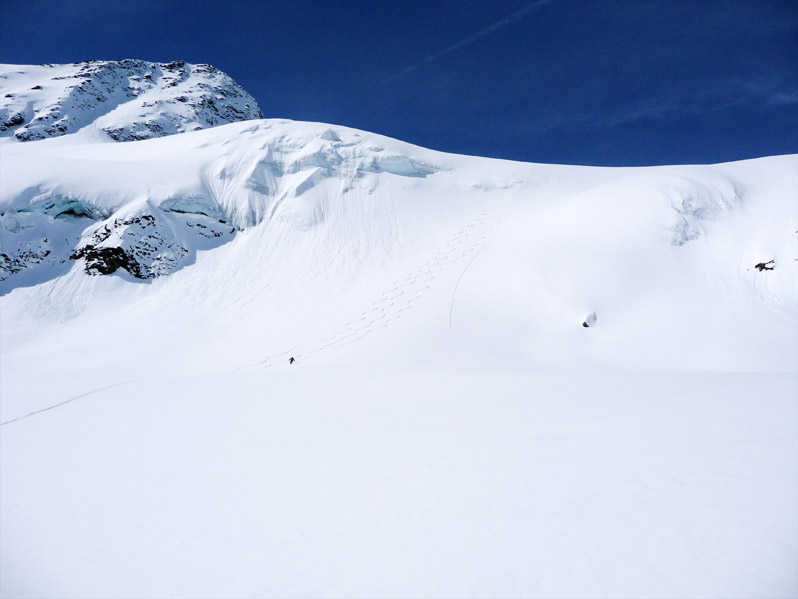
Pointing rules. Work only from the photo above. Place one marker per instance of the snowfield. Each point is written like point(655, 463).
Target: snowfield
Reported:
point(511, 380)
point(340, 482)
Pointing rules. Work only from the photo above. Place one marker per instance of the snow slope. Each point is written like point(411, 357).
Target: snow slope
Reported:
point(438, 483)
point(299, 234)
point(450, 428)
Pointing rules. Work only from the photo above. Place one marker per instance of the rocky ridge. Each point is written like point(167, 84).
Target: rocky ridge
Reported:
point(127, 100)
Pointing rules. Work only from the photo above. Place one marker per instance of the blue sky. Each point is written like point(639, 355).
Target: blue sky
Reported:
point(601, 82)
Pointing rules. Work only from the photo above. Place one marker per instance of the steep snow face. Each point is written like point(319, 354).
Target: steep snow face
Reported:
point(124, 100)
point(146, 208)
point(316, 238)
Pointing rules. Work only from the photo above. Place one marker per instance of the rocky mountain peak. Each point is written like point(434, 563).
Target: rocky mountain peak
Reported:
point(125, 100)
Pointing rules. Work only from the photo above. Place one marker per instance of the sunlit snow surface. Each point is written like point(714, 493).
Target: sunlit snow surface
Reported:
point(450, 426)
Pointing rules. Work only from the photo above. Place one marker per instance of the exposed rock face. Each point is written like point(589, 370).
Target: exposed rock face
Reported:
point(293, 175)
point(21, 259)
point(135, 244)
point(107, 260)
point(145, 246)
point(769, 265)
point(128, 100)
point(30, 239)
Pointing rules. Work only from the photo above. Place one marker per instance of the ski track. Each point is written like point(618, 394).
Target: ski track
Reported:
point(460, 278)
point(66, 401)
point(401, 297)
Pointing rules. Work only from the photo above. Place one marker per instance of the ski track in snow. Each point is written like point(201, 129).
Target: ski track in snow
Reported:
point(66, 401)
point(401, 297)
point(460, 278)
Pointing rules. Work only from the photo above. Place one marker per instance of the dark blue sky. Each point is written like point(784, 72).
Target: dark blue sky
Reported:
point(599, 82)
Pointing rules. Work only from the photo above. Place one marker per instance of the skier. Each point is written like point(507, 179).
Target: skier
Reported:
point(291, 361)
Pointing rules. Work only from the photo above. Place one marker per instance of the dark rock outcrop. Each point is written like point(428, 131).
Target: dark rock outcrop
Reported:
point(129, 100)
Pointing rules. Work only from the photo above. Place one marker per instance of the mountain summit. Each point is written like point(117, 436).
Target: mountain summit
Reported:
point(123, 100)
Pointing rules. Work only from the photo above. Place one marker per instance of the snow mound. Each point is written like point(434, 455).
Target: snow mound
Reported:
point(125, 100)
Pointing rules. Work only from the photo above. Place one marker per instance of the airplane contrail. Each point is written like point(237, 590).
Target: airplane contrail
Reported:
point(492, 28)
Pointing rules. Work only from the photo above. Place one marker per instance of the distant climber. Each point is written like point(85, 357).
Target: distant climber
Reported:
point(291, 360)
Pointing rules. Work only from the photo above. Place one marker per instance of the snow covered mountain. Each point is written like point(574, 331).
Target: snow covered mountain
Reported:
point(543, 380)
point(125, 100)
point(649, 250)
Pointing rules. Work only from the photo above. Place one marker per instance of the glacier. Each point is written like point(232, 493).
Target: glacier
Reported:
point(509, 379)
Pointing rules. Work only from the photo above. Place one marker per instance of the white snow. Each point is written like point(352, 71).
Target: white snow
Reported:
point(425, 483)
point(450, 427)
